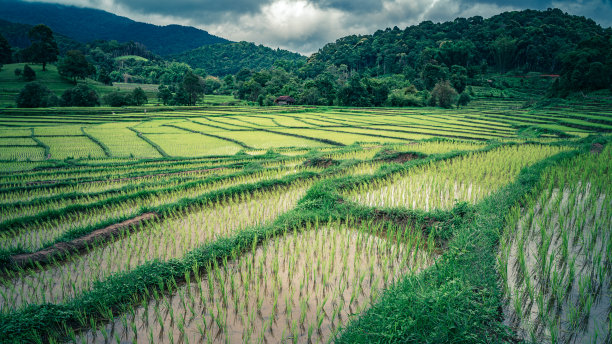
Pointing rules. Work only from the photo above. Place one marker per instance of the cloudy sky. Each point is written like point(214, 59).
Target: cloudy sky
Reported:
point(306, 25)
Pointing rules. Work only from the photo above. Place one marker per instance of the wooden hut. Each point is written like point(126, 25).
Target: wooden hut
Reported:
point(284, 100)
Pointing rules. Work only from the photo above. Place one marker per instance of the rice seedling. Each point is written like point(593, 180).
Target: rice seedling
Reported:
point(172, 237)
point(285, 268)
point(566, 252)
point(441, 184)
point(42, 232)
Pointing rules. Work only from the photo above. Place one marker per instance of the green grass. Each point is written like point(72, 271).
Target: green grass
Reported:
point(11, 84)
point(131, 57)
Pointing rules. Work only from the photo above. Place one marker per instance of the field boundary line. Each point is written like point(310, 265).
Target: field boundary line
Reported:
point(153, 144)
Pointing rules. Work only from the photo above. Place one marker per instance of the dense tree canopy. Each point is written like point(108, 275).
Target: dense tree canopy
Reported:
point(5, 51)
point(43, 48)
point(223, 59)
point(75, 66)
point(81, 95)
point(528, 40)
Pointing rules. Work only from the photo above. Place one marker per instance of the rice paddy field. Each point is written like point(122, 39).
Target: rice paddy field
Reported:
point(235, 224)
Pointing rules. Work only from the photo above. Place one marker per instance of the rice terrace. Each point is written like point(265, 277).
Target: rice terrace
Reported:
point(306, 201)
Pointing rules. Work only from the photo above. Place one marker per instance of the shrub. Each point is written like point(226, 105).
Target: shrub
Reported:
point(81, 95)
point(117, 99)
point(464, 99)
point(443, 94)
point(28, 73)
point(35, 94)
point(403, 98)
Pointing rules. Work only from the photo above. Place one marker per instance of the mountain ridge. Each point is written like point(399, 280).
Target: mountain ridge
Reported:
point(70, 20)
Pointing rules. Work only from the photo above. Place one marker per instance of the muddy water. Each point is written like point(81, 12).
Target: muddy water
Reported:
point(297, 288)
point(171, 238)
point(563, 290)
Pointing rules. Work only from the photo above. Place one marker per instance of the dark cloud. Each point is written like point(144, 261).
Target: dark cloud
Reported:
point(354, 6)
point(192, 8)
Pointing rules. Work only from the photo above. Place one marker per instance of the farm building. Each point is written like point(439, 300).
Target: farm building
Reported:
point(284, 100)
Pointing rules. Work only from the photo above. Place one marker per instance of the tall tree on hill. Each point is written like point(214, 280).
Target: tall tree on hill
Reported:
point(504, 51)
point(43, 48)
point(75, 66)
point(194, 86)
point(5, 51)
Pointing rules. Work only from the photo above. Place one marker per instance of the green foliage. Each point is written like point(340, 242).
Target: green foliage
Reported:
point(81, 95)
point(193, 85)
point(588, 67)
point(433, 74)
point(164, 94)
point(443, 94)
point(75, 66)
point(530, 40)
point(237, 56)
point(464, 99)
point(6, 55)
point(28, 73)
point(35, 94)
point(43, 48)
point(407, 97)
point(138, 97)
point(117, 99)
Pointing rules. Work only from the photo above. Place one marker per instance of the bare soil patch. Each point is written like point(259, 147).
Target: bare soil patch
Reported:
point(100, 235)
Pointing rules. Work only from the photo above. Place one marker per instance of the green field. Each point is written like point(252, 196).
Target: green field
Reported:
point(10, 85)
point(485, 224)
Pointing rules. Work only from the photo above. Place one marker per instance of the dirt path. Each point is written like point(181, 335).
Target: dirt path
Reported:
point(100, 235)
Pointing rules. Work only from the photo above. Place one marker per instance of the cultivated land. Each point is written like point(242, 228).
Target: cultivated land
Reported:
point(489, 223)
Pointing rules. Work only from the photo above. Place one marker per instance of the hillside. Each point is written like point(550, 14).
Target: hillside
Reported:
point(17, 36)
point(223, 59)
point(71, 21)
point(11, 84)
point(528, 40)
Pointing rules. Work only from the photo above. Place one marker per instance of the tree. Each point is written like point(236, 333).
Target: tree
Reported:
point(116, 99)
point(104, 77)
point(194, 86)
point(181, 97)
point(504, 50)
point(43, 48)
point(28, 73)
point(353, 94)
point(249, 90)
point(458, 78)
point(75, 66)
point(463, 99)
point(164, 94)
point(139, 97)
point(211, 85)
point(35, 94)
point(81, 95)
point(5, 51)
point(443, 94)
point(456, 53)
point(432, 74)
